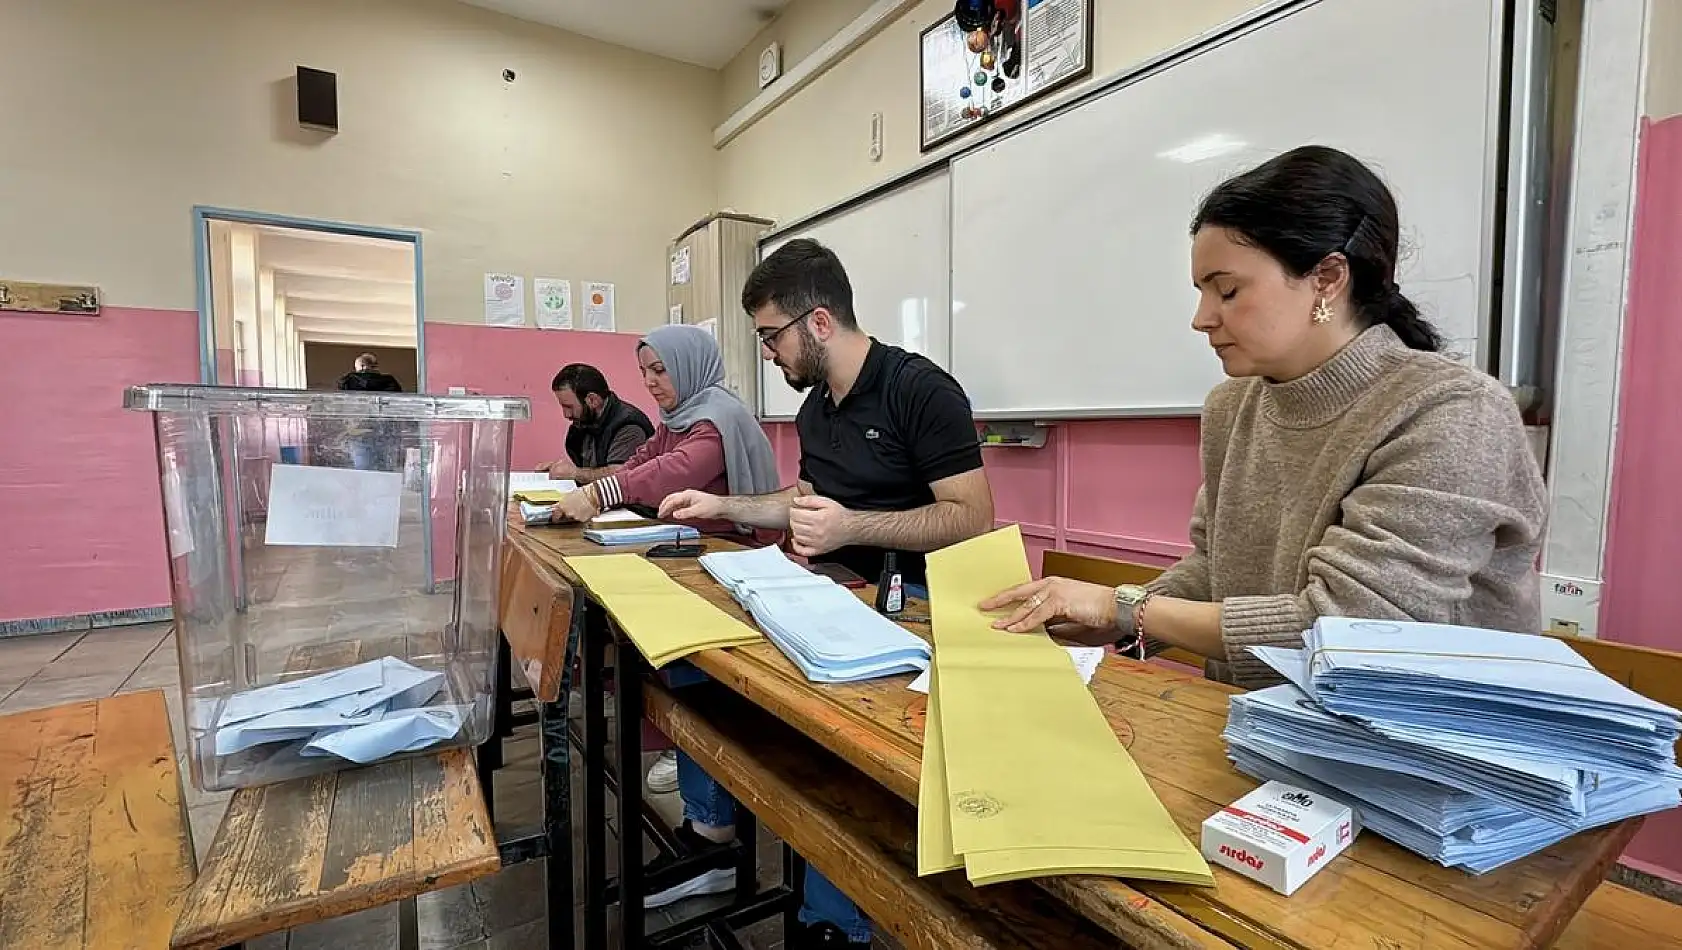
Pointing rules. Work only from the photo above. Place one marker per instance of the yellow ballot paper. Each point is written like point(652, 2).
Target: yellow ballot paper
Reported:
point(1034, 780)
point(665, 620)
point(538, 496)
point(934, 821)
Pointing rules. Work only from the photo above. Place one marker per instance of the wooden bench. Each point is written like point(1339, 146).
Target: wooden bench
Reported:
point(322, 847)
point(859, 834)
point(1617, 918)
point(95, 849)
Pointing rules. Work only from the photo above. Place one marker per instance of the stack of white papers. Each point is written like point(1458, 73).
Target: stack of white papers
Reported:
point(1086, 659)
point(1471, 747)
point(824, 628)
point(641, 534)
point(539, 481)
point(362, 713)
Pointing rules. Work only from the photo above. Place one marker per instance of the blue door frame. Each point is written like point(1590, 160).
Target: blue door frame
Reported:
point(202, 216)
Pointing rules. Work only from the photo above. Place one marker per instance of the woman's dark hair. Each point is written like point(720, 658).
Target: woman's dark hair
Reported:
point(1315, 201)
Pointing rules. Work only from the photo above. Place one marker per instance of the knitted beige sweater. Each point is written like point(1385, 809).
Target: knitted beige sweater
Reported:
point(1388, 483)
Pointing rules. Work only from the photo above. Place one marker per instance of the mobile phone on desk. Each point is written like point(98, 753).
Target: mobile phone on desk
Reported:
point(837, 573)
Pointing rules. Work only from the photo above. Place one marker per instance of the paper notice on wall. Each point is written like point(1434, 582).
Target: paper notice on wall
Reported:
point(676, 314)
point(505, 300)
point(1055, 42)
point(553, 296)
point(598, 306)
point(680, 266)
point(710, 325)
point(333, 507)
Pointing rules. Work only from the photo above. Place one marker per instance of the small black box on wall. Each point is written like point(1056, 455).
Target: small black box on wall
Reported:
point(318, 99)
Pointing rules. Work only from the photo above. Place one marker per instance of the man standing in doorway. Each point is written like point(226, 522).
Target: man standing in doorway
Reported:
point(605, 430)
point(889, 461)
point(368, 379)
point(373, 445)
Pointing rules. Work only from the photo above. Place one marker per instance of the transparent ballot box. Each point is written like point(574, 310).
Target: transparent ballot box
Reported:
point(334, 563)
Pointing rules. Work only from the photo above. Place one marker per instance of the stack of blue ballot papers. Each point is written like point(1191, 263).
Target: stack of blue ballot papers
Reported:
point(822, 627)
point(1474, 748)
point(362, 713)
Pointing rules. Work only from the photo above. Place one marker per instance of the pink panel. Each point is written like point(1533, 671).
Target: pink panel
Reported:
point(79, 494)
point(785, 444)
point(509, 361)
point(1025, 482)
point(1132, 483)
point(1640, 603)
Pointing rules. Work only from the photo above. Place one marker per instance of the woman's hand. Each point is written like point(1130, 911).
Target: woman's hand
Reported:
point(1053, 600)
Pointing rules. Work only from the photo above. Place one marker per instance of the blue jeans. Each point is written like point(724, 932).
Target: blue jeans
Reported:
point(706, 802)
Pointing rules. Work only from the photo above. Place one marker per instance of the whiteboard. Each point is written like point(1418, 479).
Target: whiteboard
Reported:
point(1071, 264)
point(896, 248)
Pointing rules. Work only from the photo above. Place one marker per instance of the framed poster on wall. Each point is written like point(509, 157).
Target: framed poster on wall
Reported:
point(990, 56)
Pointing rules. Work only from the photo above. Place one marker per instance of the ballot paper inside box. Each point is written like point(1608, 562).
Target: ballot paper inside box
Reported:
point(321, 541)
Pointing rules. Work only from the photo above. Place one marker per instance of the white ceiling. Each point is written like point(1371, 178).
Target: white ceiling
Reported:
point(342, 289)
point(704, 32)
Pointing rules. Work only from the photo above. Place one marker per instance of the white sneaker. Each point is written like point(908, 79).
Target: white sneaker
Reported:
point(716, 881)
point(662, 775)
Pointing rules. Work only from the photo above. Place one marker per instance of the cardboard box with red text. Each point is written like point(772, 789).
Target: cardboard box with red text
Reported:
point(1279, 835)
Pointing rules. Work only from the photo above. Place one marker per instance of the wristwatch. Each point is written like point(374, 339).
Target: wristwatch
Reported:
point(1129, 598)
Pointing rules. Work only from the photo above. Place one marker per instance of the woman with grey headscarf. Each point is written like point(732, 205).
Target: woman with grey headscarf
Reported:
point(707, 438)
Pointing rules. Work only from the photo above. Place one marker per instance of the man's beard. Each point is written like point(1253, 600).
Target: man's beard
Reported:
point(588, 418)
point(810, 365)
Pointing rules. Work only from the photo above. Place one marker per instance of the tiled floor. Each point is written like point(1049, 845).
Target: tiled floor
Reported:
point(503, 912)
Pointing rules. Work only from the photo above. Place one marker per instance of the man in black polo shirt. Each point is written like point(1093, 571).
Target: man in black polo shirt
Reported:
point(889, 461)
point(604, 430)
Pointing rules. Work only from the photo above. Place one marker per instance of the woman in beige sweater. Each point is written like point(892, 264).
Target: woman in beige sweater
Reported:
point(1349, 468)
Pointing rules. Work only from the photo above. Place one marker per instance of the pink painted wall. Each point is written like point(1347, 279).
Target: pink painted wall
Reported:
point(79, 496)
point(1120, 488)
point(1639, 603)
point(511, 361)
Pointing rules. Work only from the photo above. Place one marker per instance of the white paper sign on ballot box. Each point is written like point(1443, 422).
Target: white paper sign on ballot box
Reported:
point(1279, 835)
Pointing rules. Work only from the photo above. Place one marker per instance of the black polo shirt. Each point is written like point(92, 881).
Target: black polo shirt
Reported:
point(905, 423)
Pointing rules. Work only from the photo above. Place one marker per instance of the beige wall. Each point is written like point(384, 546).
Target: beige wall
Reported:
point(1664, 58)
point(801, 27)
point(122, 115)
point(814, 149)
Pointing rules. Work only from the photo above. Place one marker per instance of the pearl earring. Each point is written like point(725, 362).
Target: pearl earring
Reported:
point(1322, 310)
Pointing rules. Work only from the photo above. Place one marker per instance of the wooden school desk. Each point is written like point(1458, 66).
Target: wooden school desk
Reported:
point(95, 850)
point(1375, 895)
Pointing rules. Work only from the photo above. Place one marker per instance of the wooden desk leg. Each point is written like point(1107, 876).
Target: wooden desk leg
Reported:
point(408, 925)
point(593, 632)
point(627, 675)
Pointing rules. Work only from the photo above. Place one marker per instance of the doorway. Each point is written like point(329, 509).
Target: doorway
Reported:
point(297, 304)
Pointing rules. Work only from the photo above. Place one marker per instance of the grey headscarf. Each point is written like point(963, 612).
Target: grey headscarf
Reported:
point(697, 373)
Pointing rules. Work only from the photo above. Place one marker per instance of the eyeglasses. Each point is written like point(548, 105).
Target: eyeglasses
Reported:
point(769, 339)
